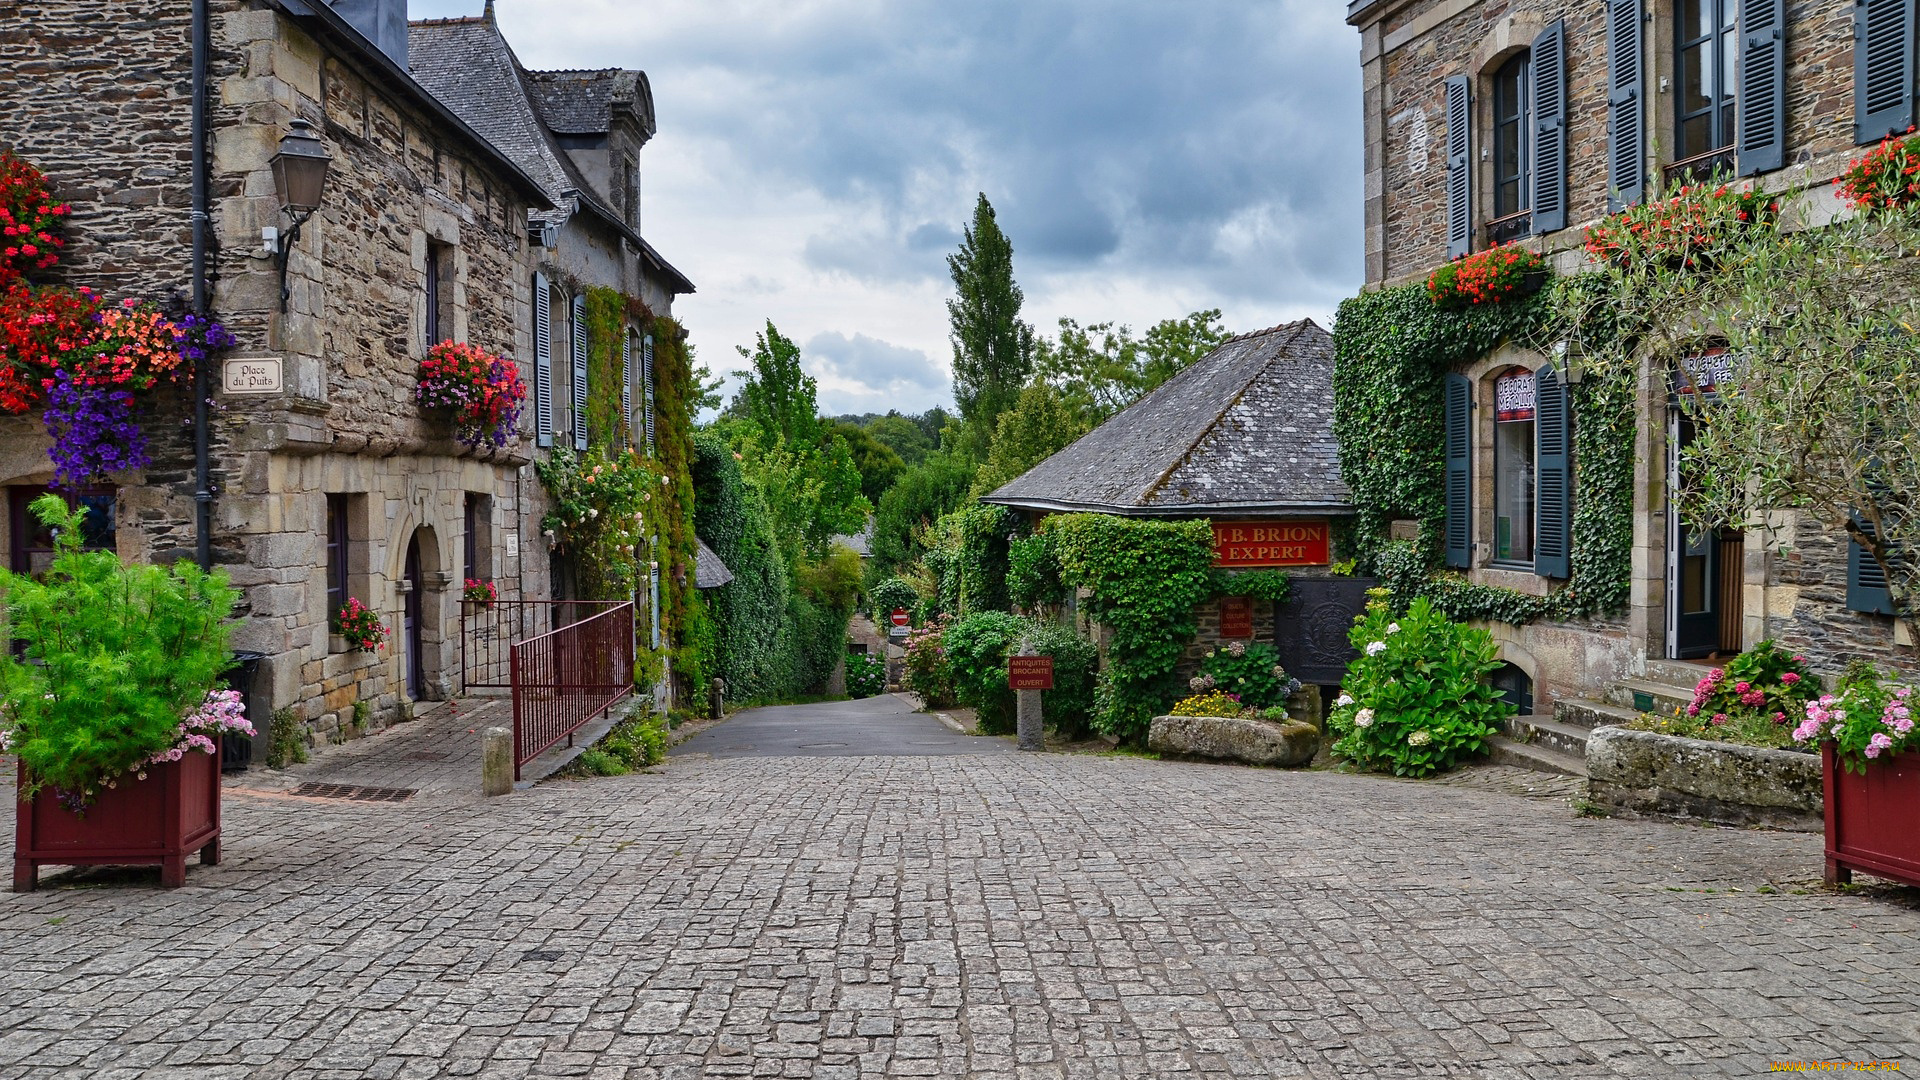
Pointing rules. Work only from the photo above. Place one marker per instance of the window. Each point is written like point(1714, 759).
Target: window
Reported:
point(1513, 467)
point(33, 541)
point(1512, 121)
point(337, 591)
point(1707, 44)
point(439, 275)
point(476, 541)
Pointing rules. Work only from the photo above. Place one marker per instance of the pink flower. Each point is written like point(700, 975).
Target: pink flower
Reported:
point(1742, 687)
point(1790, 678)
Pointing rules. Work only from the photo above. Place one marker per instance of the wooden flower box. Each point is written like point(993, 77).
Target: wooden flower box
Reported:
point(171, 814)
point(1870, 819)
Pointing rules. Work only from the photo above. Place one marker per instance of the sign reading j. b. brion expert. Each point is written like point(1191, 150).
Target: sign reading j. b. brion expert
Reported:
point(1269, 543)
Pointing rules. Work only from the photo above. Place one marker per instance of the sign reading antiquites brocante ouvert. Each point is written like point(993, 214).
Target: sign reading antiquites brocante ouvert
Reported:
point(1269, 543)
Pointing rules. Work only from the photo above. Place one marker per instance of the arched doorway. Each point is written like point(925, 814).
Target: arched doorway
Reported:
point(412, 622)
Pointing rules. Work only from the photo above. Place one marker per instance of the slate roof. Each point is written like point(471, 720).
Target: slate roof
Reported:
point(581, 102)
point(1247, 429)
point(708, 571)
point(860, 543)
point(468, 66)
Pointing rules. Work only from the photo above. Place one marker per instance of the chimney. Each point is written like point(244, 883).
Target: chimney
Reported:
point(383, 22)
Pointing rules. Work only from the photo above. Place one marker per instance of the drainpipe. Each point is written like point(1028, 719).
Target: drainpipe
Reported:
point(202, 303)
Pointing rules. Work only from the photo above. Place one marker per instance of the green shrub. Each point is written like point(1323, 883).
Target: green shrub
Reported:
point(977, 647)
point(286, 740)
point(637, 742)
point(1069, 706)
point(115, 658)
point(1416, 700)
point(597, 762)
point(1251, 673)
point(1033, 572)
point(890, 595)
point(929, 672)
point(866, 675)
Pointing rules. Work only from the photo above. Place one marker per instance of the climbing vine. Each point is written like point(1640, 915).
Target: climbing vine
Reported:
point(1144, 577)
point(1394, 348)
point(682, 609)
point(606, 330)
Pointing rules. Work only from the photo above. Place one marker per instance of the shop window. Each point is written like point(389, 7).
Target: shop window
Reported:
point(1513, 468)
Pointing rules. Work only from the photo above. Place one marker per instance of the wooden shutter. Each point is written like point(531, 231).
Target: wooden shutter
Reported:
point(1459, 168)
point(1866, 582)
point(1626, 118)
point(1761, 115)
point(1883, 59)
point(542, 362)
point(1553, 475)
point(578, 337)
point(1550, 128)
point(626, 388)
point(646, 389)
point(1458, 394)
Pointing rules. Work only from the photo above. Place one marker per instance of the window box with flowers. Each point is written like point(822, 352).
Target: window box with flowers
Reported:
point(478, 595)
point(1871, 755)
point(1488, 277)
point(110, 710)
point(480, 393)
point(359, 626)
point(1685, 231)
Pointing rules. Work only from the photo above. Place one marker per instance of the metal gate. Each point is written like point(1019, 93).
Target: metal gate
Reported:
point(1310, 627)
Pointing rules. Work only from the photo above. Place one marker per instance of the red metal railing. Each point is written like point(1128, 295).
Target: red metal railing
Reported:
point(564, 678)
point(487, 634)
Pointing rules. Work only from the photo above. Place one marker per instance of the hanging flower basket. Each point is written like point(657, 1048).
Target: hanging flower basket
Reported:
point(30, 220)
point(1685, 230)
point(478, 392)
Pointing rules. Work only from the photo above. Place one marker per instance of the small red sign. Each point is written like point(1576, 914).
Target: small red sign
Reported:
point(1269, 543)
point(1236, 616)
point(900, 616)
point(1030, 672)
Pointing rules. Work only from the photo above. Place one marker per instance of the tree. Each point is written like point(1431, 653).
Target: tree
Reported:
point(992, 348)
point(778, 396)
point(919, 498)
point(1038, 426)
point(904, 436)
point(1101, 369)
point(879, 466)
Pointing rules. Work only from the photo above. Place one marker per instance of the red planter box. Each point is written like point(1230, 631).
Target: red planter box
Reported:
point(171, 814)
point(1871, 818)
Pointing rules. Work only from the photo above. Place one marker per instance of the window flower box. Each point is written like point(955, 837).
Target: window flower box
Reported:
point(1869, 818)
point(172, 813)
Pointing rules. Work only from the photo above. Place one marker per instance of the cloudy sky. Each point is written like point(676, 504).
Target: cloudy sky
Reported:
point(816, 160)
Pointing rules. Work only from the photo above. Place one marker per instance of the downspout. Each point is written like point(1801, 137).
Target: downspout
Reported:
point(202, 303)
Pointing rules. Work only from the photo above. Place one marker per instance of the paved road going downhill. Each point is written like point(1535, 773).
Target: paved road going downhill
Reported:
point(883, 726)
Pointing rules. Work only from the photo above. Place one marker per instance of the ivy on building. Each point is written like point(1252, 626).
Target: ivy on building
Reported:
point(1394, 347)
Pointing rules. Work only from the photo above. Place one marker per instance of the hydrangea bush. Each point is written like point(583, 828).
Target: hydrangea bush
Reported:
point(1764, 679)
point(1250, 672)
point(866, 675)
point(928, 672)
point(1867, 718)
point(1416, 701)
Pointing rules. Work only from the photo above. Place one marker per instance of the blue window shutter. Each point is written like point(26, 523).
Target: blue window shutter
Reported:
point(578, 337)
point(1553, 475)
point(1626, 112)
point(542, 362)
point(1761, 115)
point(1883, 60)
point(646, 389)
point(1458, 394)
point(1459, 168)
point(626, 388)
point(1866, 582)
point(1549, 58)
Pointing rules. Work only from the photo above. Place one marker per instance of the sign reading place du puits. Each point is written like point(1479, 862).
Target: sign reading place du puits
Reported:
point(251, 376)
point(1269, 543)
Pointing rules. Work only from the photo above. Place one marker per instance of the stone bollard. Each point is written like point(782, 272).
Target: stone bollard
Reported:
point(1028, 721)
point(716, 697)
point(496, 761)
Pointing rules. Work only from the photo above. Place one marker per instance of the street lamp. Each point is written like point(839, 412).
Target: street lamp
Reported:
point(299, 178)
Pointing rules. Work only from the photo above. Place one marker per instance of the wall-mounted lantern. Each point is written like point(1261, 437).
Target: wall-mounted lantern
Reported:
point(299, 178)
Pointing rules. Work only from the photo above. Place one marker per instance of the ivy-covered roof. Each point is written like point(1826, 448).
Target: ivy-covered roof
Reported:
point(1247, 429)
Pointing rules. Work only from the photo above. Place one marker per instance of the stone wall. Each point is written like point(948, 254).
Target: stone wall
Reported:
point(1804, 602)
point(1407, 58)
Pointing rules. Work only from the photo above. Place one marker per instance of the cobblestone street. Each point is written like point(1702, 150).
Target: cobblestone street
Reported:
point(990, 915)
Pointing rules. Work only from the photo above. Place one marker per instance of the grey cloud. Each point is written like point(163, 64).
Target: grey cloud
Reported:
point(906, 377)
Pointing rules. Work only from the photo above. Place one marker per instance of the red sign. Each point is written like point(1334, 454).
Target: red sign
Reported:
point(1269, 543)
point(900, 616)
point(1236, 616)
point(1030, 672)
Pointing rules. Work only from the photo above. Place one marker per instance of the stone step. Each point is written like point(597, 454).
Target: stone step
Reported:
point(1644, 695)
point(1504, 751)
point(1684, 674)
point(1544, 731)
point(1590, 714)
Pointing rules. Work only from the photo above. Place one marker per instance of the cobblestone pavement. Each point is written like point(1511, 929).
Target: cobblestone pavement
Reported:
point(999, 916)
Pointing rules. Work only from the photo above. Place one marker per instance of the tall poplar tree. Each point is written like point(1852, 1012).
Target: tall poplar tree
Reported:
point(993, 349)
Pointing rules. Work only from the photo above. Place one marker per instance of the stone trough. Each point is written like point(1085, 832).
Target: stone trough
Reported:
point(1644, 772)
point(1232, 738)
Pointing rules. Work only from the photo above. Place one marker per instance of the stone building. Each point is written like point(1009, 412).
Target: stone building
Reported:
point(1527, 121)
point(1243, 438)
point(327, 481)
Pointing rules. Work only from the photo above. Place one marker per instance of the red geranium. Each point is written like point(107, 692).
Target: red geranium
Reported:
point(1486, 277)
point(29, 219)
point(1684, 230)
point(481, 392)
point(1885, 178)
point(42, 329)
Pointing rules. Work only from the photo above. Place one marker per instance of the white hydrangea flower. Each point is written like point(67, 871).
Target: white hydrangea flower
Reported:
point(1393, 628)
point(1363, 718)
point(1376, 648)
point(1342, 701)
point(1420, 738)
